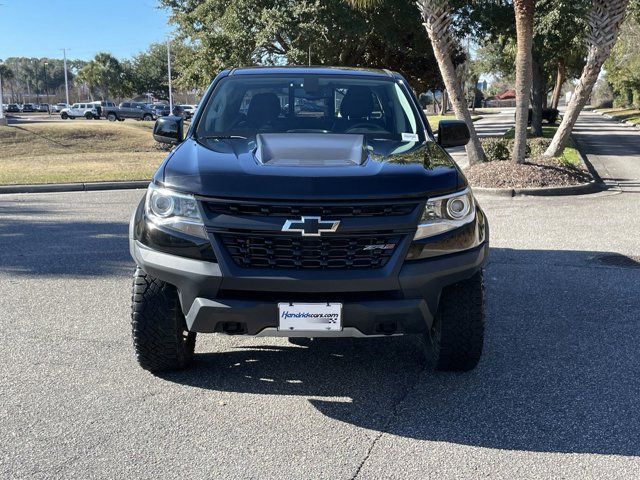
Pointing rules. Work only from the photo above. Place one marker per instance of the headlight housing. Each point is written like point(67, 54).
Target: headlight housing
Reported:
point(446, 213)
point(174, 210)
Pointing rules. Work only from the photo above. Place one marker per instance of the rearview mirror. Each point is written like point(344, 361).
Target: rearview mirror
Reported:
point(453, 133)
point(169, 130)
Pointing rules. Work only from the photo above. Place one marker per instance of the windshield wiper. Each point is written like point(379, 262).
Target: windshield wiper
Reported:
point(222, 137)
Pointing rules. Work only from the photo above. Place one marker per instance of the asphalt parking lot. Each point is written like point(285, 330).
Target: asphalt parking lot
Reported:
point(556, 394)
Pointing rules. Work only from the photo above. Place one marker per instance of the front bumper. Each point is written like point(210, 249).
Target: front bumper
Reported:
point(212, 302)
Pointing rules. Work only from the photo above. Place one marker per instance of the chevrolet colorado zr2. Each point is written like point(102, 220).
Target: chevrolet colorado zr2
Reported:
point(308, 202)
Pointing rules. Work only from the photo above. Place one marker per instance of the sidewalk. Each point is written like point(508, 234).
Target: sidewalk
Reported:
point(494, 125)
point(612, 148)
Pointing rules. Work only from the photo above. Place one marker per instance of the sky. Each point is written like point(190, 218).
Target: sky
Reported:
point(41, 28)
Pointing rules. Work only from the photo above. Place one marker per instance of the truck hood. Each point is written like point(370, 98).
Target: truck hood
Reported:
point(240, 168)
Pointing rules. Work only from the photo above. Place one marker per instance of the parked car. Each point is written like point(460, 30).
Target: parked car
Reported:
point(345, 224)
point(43, 107)
point(28, 108)
point(13, 108)
point(180, 112)
point(161, 109)
point(86, 110)
point(102, 106)
point(550, 115)
point(189, 111)
point(135, 110)
point(57, 108)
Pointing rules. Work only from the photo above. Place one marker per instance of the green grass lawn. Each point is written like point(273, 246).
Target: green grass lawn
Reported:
point(570, 155)
point(435, 119)
point(77, 152)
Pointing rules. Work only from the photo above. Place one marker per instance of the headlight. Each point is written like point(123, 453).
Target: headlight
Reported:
point(446, 213)
point(173, 210)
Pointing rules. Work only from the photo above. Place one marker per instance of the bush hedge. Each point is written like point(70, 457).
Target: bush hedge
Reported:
point(500, 149)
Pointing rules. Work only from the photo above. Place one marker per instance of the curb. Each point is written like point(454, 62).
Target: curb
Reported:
point(73, 187)
point(594, 186)
point(580, 189)
point(623, 122)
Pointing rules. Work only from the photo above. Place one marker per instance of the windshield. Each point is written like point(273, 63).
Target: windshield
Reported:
point(246, 105)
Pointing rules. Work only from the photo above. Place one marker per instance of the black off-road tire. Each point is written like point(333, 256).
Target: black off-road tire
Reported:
point(160, 337)
point(454, 343)
point(64, 115)
point(147, 118)
point(112, 117)
point(88, 116)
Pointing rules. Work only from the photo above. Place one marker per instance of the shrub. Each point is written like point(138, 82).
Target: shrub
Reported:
point(537, 146)
point(500, 149)
point(496, 149)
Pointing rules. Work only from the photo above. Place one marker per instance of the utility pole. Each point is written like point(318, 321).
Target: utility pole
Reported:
point(309, 54)
point(169, 70)
point(66, 80)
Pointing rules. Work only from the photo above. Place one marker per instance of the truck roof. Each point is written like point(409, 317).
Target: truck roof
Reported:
point(313, 70)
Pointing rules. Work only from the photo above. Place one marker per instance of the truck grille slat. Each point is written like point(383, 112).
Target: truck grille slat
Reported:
point(299, 253)
point(344, 210)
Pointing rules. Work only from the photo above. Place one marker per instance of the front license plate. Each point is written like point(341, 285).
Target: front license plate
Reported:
point(310, 317)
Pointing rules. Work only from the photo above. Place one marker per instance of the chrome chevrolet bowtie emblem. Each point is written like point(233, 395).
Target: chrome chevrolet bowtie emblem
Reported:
point(311, 226)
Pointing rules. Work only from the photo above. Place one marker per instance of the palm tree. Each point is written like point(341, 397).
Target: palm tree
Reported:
point(605, 19)
point(437, 18)
point(90, 76)
point(524, 10)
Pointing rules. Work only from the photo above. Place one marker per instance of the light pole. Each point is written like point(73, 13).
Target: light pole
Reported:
point(37, 85)
point(46, 81)
point(66, 80)
point(46, 87)
point(169, 72)
point(3, 120)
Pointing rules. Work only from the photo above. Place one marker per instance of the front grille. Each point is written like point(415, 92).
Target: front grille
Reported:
point(320, 253)
point(324, 210)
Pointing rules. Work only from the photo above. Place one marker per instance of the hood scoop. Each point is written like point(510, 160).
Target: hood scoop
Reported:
point(310, 150)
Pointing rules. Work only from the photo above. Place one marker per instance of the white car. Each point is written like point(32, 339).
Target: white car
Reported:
point(59, 106)
point(189, 110)
point(86, 110)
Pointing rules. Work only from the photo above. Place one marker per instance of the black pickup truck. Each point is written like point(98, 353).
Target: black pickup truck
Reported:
point(308, 202)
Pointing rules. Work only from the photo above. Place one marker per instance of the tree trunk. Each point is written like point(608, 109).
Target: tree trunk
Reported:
point(524, 31)
point(561, 75)
point(605, 19)
point(474, 93)
point(539, 91)
point(437, 21)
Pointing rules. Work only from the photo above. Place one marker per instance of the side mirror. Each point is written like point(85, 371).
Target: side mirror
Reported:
point(169, 130)
point(453, 133)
